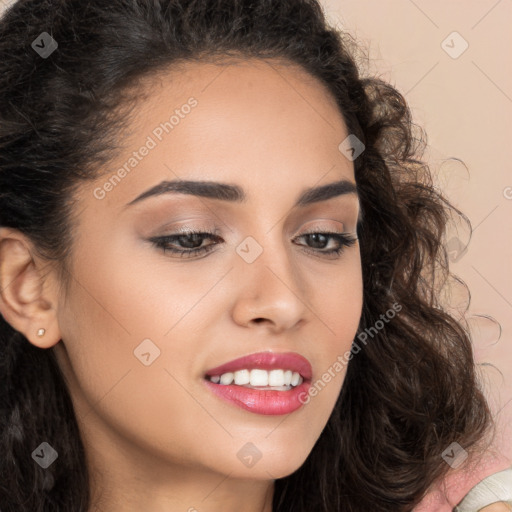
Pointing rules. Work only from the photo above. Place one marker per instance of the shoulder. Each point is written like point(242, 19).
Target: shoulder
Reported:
point(496, 488)
point(462, 486)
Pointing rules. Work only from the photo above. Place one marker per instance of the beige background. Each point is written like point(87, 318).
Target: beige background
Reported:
point(465, 106)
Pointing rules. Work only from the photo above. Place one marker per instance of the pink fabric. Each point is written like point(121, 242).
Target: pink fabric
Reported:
point(448, 493)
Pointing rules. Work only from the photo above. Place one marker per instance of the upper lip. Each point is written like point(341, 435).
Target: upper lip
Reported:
point(267, 361)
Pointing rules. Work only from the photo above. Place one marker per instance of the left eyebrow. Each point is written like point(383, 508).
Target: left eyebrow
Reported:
point(234, 193)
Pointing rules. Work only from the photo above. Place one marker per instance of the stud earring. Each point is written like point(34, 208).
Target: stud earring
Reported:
point(41, 332)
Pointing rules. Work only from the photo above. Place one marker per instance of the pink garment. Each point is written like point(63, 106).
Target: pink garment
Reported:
point(448, 493)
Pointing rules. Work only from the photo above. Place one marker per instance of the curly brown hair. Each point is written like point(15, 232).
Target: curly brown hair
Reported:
point(407, 395)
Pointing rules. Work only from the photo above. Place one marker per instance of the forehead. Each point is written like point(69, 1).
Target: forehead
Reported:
point(258, 123)
point(241, 79)
point(242, 98)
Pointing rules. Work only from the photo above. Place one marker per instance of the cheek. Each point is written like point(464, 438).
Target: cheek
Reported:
point(121, 309)
point(338, 296)
point(337, 303)
point(105, 320)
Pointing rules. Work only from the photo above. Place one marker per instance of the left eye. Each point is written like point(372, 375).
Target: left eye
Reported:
point(343, 240)
point(191, 242)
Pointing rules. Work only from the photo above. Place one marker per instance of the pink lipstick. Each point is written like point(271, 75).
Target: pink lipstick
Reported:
point(263, 383)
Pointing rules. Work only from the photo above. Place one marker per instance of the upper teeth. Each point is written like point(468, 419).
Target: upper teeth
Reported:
point(259, 377)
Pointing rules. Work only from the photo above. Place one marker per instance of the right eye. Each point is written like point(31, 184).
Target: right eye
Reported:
point(191, 240)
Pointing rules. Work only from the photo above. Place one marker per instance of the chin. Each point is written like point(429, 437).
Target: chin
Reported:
point(272, 466)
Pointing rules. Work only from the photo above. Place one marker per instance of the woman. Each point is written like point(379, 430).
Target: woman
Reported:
point(219, 260)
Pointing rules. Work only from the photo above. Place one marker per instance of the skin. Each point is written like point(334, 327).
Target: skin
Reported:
point(156, 439)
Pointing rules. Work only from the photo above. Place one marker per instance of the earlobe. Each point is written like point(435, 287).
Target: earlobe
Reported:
point(24, 302)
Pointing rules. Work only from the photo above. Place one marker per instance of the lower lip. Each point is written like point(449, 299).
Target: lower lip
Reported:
point(269, 402)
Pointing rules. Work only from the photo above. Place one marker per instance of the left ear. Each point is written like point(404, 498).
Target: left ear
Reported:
point(28, 297)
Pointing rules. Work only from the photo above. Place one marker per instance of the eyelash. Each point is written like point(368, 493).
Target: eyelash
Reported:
point(344, 239)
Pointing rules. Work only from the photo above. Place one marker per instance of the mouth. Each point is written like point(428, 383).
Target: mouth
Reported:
point(263, 383)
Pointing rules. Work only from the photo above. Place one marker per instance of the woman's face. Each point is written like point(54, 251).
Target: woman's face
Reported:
point(142, 326)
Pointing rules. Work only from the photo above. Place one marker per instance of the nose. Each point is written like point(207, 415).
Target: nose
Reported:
point(270, 291)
